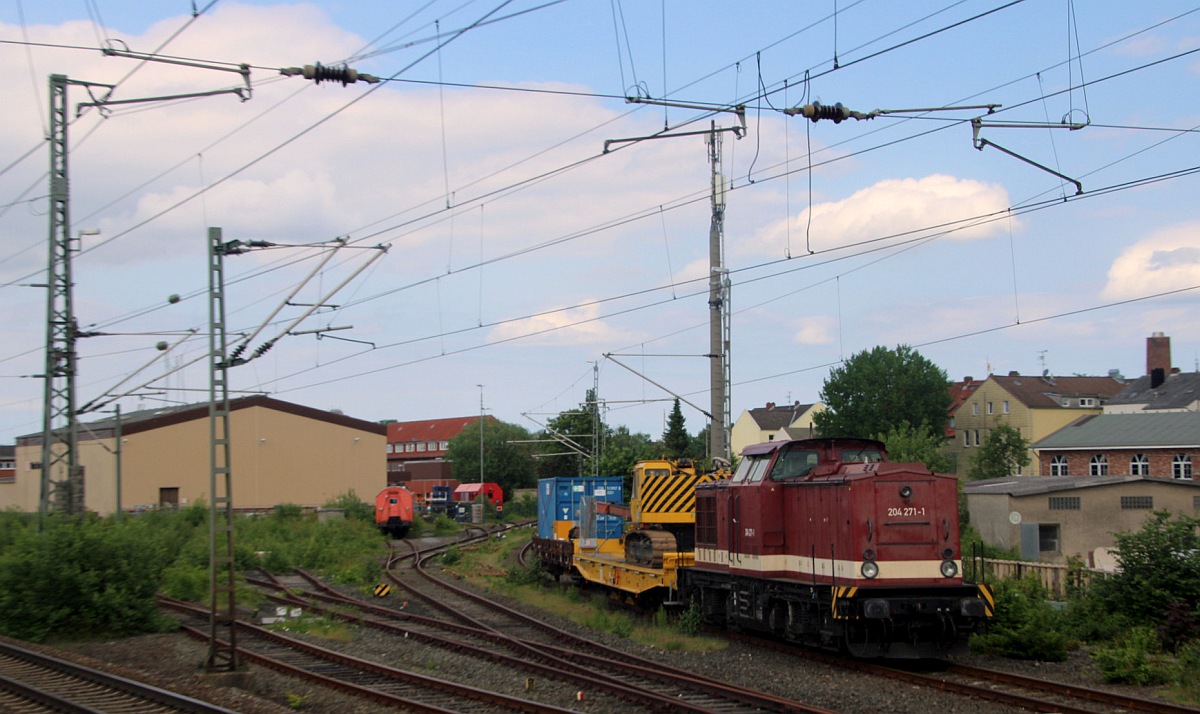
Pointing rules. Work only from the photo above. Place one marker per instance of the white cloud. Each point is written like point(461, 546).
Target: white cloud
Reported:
point(1166, 260)
point(891, 207)
point(815, 331)
point(579, 326)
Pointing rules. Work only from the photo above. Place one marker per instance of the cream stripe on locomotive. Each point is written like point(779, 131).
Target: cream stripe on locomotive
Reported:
point(826, 567)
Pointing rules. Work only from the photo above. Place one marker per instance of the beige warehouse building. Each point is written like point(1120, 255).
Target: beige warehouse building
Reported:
point(279, 453)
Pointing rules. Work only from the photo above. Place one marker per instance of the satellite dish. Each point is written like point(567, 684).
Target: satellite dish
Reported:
point(1014, 518)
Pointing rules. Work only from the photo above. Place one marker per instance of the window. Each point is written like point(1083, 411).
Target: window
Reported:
point(1048, 537)
point(793, 464)
point(974, 408)
point(1005, 406)
point(757, 470)
point(1139, 465)
point(1181, 466)
point(410, 447)
point(1064, 503)
point(1137, 503)
point(977, 437)
point(420, 446)
point(443, 445)
point(1196, 502)
point(966, 438)
point(989, 408)
point(1058, 465)
point(1087, 402)
point(1098, 465)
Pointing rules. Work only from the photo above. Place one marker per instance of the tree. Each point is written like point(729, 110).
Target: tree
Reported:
point(908, 443)
point(882, 389)
point(623, 449)
point(505, 462)
point(675, 438)
point(1004, 452)
point(578, 426)
point(1159, 565)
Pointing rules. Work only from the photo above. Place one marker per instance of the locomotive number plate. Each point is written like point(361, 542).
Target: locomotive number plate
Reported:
point(906, 511)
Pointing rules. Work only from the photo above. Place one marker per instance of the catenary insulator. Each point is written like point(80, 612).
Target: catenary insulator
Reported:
point(320, 73)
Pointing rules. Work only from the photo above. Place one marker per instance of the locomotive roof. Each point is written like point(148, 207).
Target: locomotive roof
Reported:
point(823, 444)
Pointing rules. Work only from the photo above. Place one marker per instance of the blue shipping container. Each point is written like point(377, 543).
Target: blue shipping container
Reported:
point(558, 500)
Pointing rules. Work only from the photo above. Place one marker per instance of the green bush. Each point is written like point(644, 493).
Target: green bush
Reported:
point(1160, 565)
point(98, 577)
point(354, 508)
point(80, 576)
point(691, 620)
point(1189, 670)
point(185, 582)
point(1135, 658)
point(1025, 625)
point(444, 526)
point(1087, 619)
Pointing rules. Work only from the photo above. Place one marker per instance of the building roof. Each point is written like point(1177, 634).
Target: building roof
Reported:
point(429, 429)
point(1120, 431)
point(1177, 392)
point(1045, 391)
point(1018, 486)
point(159, 417)
point(774, 418)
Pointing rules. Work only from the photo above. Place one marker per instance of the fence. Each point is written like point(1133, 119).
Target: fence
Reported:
point(1058, 579)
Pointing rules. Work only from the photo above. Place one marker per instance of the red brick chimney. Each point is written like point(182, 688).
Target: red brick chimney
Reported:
point(1158, 358)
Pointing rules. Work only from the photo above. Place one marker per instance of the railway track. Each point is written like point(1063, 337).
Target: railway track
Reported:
point(490, 630)
point(381, 684)
point(33, 682)
point(1023, 692)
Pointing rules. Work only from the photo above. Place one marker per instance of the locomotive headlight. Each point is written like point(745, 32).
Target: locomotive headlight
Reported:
point(870, 570)
point(906, 492)
point(949, 568)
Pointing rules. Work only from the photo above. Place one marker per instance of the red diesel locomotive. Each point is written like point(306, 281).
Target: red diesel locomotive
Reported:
point(394, 511)
point(825, 542)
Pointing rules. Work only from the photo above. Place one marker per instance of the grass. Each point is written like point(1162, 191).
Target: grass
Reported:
point(487, 566)
point(321, 627)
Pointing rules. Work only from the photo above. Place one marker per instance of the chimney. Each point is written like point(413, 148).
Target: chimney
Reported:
point(1158, 358)
point(770, 406)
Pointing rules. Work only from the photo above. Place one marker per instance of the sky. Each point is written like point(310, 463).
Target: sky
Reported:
point(514, 231)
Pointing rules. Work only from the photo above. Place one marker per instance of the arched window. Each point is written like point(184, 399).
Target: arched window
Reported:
point(1181, 466)
point(1139, 465)
point(1058, 465)
point(1098, 465)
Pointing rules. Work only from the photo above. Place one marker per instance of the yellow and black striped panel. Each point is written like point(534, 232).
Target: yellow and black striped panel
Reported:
point(841, 593)
point(989, 599)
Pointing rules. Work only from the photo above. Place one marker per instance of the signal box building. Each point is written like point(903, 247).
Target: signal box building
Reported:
point(279, 453)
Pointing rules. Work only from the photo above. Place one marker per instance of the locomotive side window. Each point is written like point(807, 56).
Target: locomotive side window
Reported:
point(793, 464)
point(758, 468)
point(743, 470)
point(861, 456)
